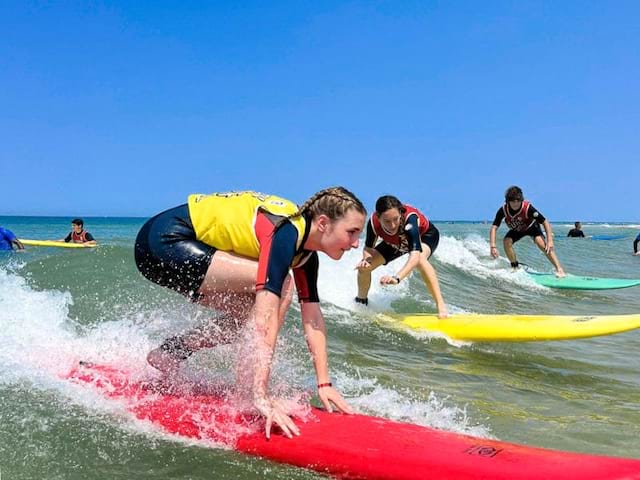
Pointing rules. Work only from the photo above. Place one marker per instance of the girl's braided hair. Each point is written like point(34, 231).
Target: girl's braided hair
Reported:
point(332, 202)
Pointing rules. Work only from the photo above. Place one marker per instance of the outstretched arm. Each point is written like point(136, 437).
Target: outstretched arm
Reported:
point(90, 240)
point(315, 332)
point(493, 249)
point(265, 315)
point(549, 234)
point(412, 262)
point(412, 232)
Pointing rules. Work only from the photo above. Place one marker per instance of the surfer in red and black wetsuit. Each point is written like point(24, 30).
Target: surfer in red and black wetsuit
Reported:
point(523, 220)
point(400, 229)
point(78, 234)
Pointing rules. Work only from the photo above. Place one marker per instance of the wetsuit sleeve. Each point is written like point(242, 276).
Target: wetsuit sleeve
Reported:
point(9, 235)
point(370, 240)
point(306, 278)
point(277, 250)
point(89, 237)
point(499, 217)
point(412, 231)
point(67, 238)
point(536, 215)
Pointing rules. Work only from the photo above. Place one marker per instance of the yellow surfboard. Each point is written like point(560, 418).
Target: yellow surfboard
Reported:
point(54, 243)
point(514, 328)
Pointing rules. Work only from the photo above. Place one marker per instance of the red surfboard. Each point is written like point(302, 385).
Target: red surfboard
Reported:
point(348, 446)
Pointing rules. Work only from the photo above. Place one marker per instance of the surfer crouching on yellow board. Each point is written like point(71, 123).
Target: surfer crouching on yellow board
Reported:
point(401, 229)
point(232, 252)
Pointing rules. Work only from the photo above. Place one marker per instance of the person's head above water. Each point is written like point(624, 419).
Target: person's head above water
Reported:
point(387, 202)
point(337, 217)
point(513, 194)
point(390, 210)
point(577, 225)
point(77, 224)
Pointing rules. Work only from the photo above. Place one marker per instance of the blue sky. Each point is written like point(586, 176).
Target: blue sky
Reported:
point(124, 108)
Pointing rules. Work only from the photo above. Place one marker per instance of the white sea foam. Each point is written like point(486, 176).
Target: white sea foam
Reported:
point(471, 255)
point(368, 396)
point(338, 282)
point(40, 344)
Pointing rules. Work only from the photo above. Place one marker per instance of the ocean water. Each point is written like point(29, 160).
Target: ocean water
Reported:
point(58, 306)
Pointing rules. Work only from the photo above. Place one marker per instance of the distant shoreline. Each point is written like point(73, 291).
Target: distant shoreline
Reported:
point(88, 218)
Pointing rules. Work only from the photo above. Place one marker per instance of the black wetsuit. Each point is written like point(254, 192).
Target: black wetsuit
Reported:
point(575, 232)
point(515, 235)
point(168, 252)
point(410, 240)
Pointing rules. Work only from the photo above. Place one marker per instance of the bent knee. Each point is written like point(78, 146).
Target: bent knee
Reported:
point(366, 271)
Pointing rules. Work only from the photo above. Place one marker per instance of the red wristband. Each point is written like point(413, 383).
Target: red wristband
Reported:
point(322, 385)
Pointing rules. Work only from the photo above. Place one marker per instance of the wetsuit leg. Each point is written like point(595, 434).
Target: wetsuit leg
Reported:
point(431, 238)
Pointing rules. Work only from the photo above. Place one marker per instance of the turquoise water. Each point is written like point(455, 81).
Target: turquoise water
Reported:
point(58, 306)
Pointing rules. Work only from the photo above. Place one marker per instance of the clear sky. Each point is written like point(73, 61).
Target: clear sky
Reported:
point(124, 108)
